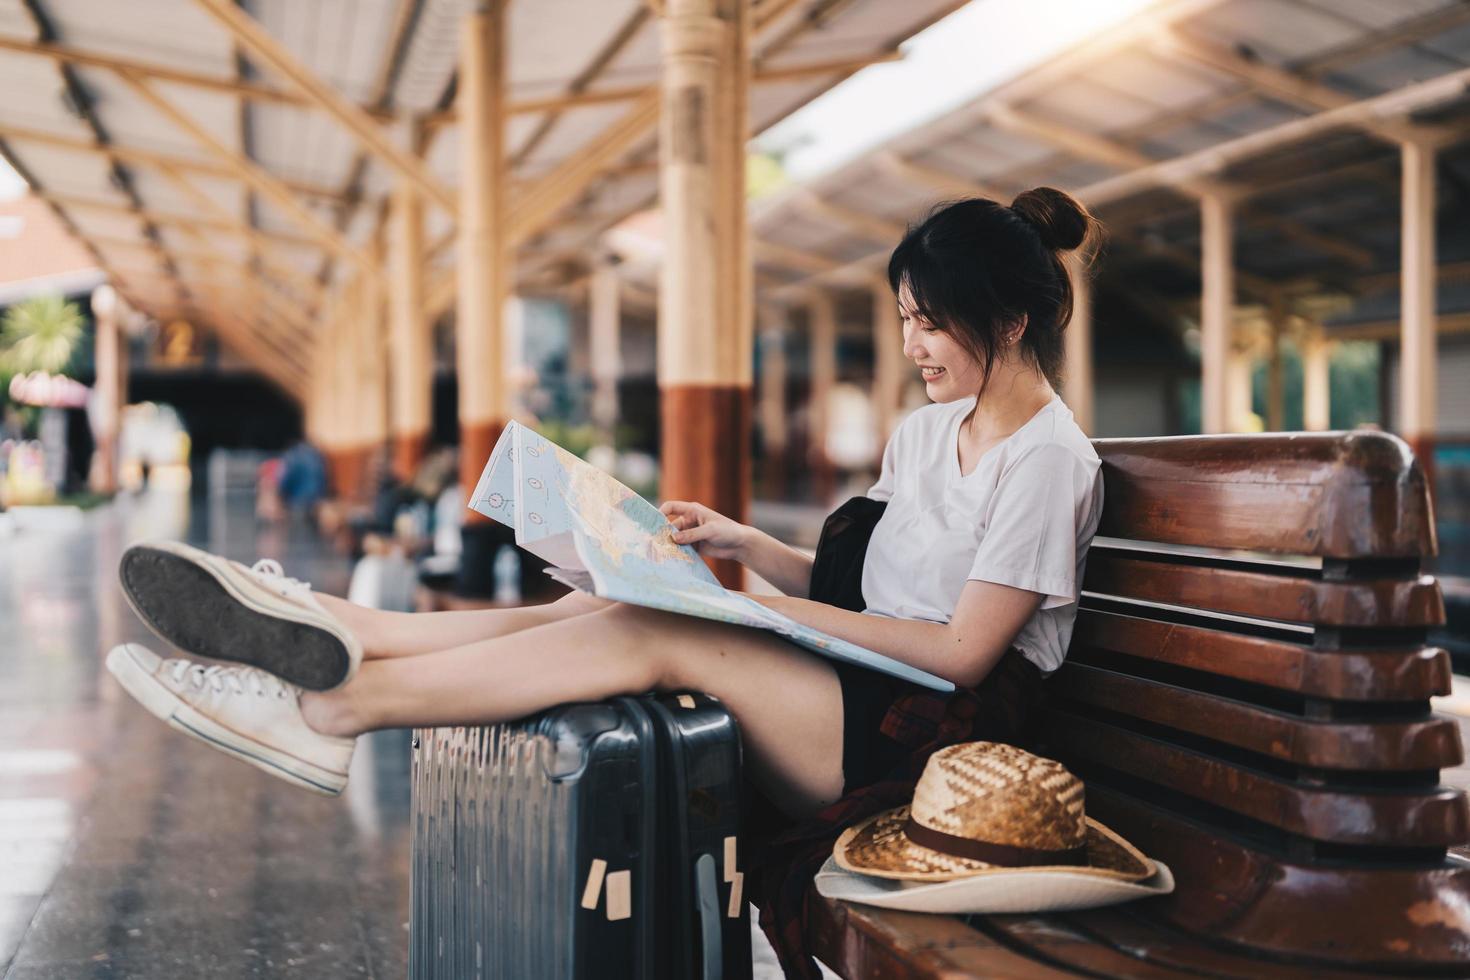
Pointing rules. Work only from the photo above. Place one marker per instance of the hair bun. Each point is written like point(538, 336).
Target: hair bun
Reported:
point(1060, 219)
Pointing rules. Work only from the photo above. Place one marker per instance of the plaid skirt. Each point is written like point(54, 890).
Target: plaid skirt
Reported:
point(785, 855)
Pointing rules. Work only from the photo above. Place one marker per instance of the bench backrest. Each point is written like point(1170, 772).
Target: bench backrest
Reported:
point(1247, 693)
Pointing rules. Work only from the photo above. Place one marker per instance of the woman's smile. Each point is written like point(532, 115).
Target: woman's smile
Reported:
point(931, 373)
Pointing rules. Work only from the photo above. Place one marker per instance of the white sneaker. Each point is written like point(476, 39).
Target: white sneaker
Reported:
point(244, 712)
point(217, 608)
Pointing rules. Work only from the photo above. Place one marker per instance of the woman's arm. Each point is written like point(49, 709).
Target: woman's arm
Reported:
point(714, 535)
point(964, 650)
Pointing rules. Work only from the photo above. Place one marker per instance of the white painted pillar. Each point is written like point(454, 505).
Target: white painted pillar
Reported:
point(772, 401)
point(888, 360)
point(1417, 380)
point(110, 389)
point(1316, 397)
point(411, 368)
point(1217, 306)
point(1238, 409)
point(1077, 377)
point(822, 315)
point(483, 261)
point(604, 329)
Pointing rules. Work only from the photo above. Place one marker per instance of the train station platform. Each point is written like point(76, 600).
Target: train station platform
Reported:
point(126, 851)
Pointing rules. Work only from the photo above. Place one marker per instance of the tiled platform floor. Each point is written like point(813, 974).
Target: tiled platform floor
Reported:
point(128, 851)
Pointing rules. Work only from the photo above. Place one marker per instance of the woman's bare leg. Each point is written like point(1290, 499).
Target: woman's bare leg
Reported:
point(787, 702)
point(400, 634)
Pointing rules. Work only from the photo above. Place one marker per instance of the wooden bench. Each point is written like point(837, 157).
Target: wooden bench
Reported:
point(1258, 719)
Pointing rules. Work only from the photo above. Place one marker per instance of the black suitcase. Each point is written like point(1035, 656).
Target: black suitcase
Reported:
point(588, 841)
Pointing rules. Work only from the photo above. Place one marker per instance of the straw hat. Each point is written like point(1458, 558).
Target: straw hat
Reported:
point(992, 828)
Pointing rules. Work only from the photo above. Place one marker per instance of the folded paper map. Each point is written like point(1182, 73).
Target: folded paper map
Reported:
point(600, 537)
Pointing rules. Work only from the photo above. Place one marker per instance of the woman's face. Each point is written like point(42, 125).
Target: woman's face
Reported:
point(948, 370)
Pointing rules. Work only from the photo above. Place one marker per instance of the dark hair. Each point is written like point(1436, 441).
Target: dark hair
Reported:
point(976, 267)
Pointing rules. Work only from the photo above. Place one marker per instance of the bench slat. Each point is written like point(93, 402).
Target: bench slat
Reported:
point(1361, 675)
point(1292, 598)
point(1438, 817)
point(1401, 919)
point(1125, 927)
point(1052, 940)
point(863, 941)
point(1337, 495)
point(1432, 743)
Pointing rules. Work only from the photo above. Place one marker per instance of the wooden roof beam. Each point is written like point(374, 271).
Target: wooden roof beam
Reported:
point(941, 181)
point(794, 258)
point(133, 154)
point(248, 32)
point(253, 174)
point(310, 288)
point(1122, 157)
point(234, 226)
point(541, 201)
point(67, 54)
point(627, 93)
point(868, 225)
point(1280, 83)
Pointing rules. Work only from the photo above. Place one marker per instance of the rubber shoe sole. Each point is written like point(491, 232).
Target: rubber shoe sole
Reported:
point(167, 706)
point(202, 605)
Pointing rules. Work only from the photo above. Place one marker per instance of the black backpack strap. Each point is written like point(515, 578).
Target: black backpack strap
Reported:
point(837, 571)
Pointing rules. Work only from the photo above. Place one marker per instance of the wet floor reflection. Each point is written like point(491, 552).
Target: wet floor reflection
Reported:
point(127, 851)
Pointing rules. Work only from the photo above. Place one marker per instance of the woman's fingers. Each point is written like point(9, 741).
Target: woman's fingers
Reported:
point(689, 535)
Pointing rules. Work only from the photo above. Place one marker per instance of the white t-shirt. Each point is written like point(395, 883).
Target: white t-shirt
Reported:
point(1023, 517)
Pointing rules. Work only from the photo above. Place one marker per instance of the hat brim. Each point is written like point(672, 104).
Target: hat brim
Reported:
point(1009, 890)
point(879, 848)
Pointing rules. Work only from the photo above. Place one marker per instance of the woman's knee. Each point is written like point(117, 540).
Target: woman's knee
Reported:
point(644, 639)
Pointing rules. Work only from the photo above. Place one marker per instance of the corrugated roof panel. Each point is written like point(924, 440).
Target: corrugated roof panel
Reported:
point(886, 197)
point(1280, 31)
point(433, 51)
point(1084, 105)
point(160, 193)
point(983, 153)
point(131, 120)
point(273, 218)
point(361, 225)
point(1376, 14)
point(344, 42)
point(1071, 172)
point(862, 27)
point(1453, 43)
point(1399, 67)
point(34, 97)
point(169, 32)
point(300, 144)
point(1162, 82)
point(14, 21)
point(1253, 116)
point(573, 131)
point(772, 101)
point(106, 223)
point(636, 64)
point(72, 171)
point(1182, 139)
point(556, 40)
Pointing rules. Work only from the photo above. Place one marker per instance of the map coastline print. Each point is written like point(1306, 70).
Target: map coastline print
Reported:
point(601, 537)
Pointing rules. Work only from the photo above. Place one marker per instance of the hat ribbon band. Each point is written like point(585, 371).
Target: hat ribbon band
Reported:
point(1005, 855)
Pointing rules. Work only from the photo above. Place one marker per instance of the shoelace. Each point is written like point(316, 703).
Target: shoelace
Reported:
point(243, 680)
point(270, 573)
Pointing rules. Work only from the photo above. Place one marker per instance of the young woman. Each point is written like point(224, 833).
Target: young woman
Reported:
point(972, 573)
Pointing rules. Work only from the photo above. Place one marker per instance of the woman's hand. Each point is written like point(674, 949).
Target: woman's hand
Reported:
point(712, 534)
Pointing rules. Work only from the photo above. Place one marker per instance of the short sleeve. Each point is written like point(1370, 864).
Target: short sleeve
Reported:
point(883, 489)
point(1044, 505)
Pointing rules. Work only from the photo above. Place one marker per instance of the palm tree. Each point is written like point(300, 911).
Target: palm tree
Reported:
point(40, 334)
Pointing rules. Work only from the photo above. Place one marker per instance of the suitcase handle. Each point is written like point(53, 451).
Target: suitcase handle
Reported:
point(707, 899)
